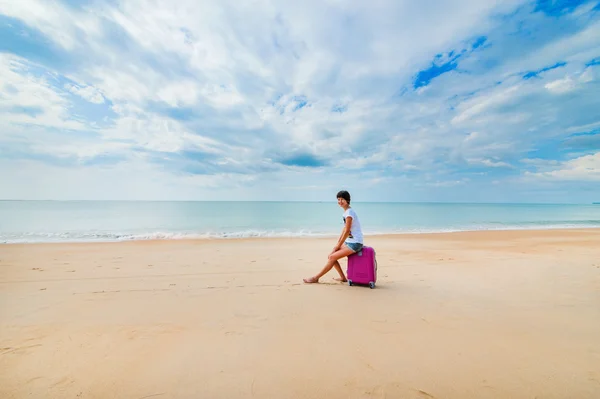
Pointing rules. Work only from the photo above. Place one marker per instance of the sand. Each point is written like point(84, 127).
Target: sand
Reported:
point(512, 314)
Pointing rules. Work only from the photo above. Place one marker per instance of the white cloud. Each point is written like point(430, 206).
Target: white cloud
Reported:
point(540, 162)
point(30, 99)
point(488, 162)
point(584, 128)
point(569, 83)
point(583, 168)
point(561, 85)
point(129, 84)
point(88, 93)
point(64, 26)
point(448, 183)
point(477, 105)
point(577, 47)
point(158, 133)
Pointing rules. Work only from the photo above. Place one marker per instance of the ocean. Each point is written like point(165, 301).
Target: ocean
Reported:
point(77, 221)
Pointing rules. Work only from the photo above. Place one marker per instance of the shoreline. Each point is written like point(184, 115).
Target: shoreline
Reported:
point(409, 235)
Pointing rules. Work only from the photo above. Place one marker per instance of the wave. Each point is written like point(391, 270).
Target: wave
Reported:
point(41, 237)
point(495, 227)
point(97, 236)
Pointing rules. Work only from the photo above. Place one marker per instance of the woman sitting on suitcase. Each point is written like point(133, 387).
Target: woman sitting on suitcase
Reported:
point(350, 241)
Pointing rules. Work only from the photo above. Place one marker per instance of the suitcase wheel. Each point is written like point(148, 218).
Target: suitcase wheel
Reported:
point(372, 285)
point(350, 282)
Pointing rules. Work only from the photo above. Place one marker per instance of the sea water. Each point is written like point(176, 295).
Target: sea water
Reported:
point(72, 221)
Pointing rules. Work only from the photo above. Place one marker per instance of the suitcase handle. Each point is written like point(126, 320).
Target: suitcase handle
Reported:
point(375, 260)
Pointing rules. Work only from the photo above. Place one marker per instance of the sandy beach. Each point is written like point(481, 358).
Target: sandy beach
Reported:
point(511, 314)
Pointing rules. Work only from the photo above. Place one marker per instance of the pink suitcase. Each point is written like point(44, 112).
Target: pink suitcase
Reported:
point(362, 267)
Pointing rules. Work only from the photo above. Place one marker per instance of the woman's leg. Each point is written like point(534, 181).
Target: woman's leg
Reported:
point(333, 260)
point(338, 268)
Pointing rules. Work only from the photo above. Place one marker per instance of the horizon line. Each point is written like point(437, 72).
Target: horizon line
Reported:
point(307, 201)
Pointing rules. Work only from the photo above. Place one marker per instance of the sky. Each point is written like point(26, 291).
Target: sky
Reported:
point(392, 100)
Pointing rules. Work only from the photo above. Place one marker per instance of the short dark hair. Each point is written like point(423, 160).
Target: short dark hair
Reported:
point(345, 195)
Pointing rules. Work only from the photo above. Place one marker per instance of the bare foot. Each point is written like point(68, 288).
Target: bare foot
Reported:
point(310, 280)
point(341, 280)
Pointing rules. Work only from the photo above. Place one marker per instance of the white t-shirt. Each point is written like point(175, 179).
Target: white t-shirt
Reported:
point(356, 234)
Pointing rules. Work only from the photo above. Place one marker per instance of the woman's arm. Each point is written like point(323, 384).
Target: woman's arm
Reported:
point(345, 233)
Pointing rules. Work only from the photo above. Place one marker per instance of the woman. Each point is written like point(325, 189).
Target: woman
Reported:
point(350, 241)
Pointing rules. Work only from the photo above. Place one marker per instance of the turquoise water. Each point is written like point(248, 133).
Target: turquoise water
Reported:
point(62, 221)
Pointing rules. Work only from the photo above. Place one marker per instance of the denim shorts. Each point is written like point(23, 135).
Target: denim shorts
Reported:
point(355, 246)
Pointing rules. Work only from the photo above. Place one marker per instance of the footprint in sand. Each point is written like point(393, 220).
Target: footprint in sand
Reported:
point(21, 349)
point(425, 393)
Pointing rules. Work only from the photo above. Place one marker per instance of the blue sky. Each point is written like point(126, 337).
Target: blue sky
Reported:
point(397, 100)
